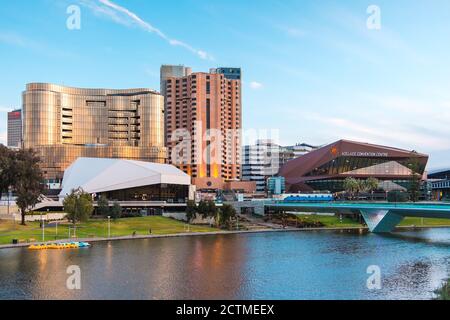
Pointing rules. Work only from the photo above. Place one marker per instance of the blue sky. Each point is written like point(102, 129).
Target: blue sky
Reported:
point(312, 69)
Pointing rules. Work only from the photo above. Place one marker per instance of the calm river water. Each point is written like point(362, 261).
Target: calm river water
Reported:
point(284, 265)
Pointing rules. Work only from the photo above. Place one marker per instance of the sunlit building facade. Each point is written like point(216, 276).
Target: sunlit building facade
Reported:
point(204, 110)
point(15, 129)
point(64, 123)
point(326, 168)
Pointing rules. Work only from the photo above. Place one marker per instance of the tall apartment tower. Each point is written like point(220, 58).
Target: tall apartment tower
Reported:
point(64, 123)
point(174, 71)
point(15, 129)
point(204, 110)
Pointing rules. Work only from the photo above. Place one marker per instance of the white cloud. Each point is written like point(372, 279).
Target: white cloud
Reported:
point(128, 18)
point(5, 109)
point(256, 85)
point(3, 138)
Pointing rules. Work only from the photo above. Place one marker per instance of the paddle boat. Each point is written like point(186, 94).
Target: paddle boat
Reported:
point(60, 245)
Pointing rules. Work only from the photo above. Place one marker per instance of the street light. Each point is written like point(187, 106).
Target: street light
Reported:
point(109, 226)
point(43, 228)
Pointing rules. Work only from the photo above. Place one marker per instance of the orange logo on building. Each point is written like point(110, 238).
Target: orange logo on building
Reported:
point(334, 151)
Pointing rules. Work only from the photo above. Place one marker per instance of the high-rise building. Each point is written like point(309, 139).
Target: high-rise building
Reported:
point(175, 71)
point(63, 123)
point(204, 110)
point(15, 128)
point(229, 73)
point(288, 153)
point(259, 162)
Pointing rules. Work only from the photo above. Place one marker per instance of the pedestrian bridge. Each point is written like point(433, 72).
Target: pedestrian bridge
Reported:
point(379, 217)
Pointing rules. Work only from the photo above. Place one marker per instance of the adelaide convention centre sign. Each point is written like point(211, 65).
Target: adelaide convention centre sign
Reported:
point(364, 154)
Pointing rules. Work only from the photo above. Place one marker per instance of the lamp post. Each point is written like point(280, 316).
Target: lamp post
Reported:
point(43, 228)
point(109, 226)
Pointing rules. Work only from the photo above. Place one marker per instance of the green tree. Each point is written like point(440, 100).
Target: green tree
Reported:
point(415, 179)
point(27, 182)
point(191, 210)
point(7, 169)
point(370, 184)
point(78, 205)
point(351, 186)
point(116, 211)
point(212, 209)
point(203, 209)
point(226, 213)
point(103, 206)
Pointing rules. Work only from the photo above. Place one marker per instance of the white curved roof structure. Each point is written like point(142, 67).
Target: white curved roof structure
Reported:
point(95, 175)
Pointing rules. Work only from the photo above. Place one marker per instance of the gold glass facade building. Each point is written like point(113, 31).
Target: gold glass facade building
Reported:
point(63, 123)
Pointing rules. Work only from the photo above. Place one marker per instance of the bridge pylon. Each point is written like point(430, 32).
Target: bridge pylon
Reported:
point(381, 221)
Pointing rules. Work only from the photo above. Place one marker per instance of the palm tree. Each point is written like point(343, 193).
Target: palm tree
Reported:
point(371, 184)
point(351, 185)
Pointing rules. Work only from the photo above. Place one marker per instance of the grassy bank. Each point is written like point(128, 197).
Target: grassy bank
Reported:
point(444, 292)
point(335, 222)
point(96, 228)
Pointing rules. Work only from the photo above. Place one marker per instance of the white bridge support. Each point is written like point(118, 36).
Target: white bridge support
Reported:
point(381, 221)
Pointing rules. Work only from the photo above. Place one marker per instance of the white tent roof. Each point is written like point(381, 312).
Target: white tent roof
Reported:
point(95, 175)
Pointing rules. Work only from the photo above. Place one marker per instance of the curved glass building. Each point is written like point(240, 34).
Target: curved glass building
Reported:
point(325, 169)
point(63, 123)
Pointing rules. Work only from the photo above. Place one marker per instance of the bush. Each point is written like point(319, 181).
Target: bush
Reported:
point(397, 196)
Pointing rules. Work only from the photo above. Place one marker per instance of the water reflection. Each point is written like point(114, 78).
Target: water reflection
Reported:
point(291, 265)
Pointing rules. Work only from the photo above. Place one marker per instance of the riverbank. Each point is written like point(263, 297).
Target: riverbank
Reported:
point(360, 229)
point(95, 228)
point(444, 292)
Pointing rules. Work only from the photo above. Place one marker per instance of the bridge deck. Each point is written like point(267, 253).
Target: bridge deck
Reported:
point(381, 210)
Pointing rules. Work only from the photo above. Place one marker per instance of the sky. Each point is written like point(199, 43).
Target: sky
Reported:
point(313, 71)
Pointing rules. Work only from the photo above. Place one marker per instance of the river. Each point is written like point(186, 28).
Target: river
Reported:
point(279, 265)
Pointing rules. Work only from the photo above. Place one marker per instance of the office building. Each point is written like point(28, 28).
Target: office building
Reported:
point(63, 123)
point(259, 162)
point(326, 168)
point(203, 122)
point(276, 185)
point(439, 184)
point(229, 73)
point(288, 153)
point(14, 129)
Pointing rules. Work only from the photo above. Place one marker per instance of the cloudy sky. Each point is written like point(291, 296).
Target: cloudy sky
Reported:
point(312, 69)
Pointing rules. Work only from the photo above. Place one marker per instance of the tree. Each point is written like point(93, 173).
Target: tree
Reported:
point(351, 186)
point(415, 178)
point(7, 169)
point(203, 209)
point(78, 205)
point(103, 206)
point(226, 213)
point(116, 211)
point(212, 209)
point(27, 181)
point(370, 184)
point(191, 210)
